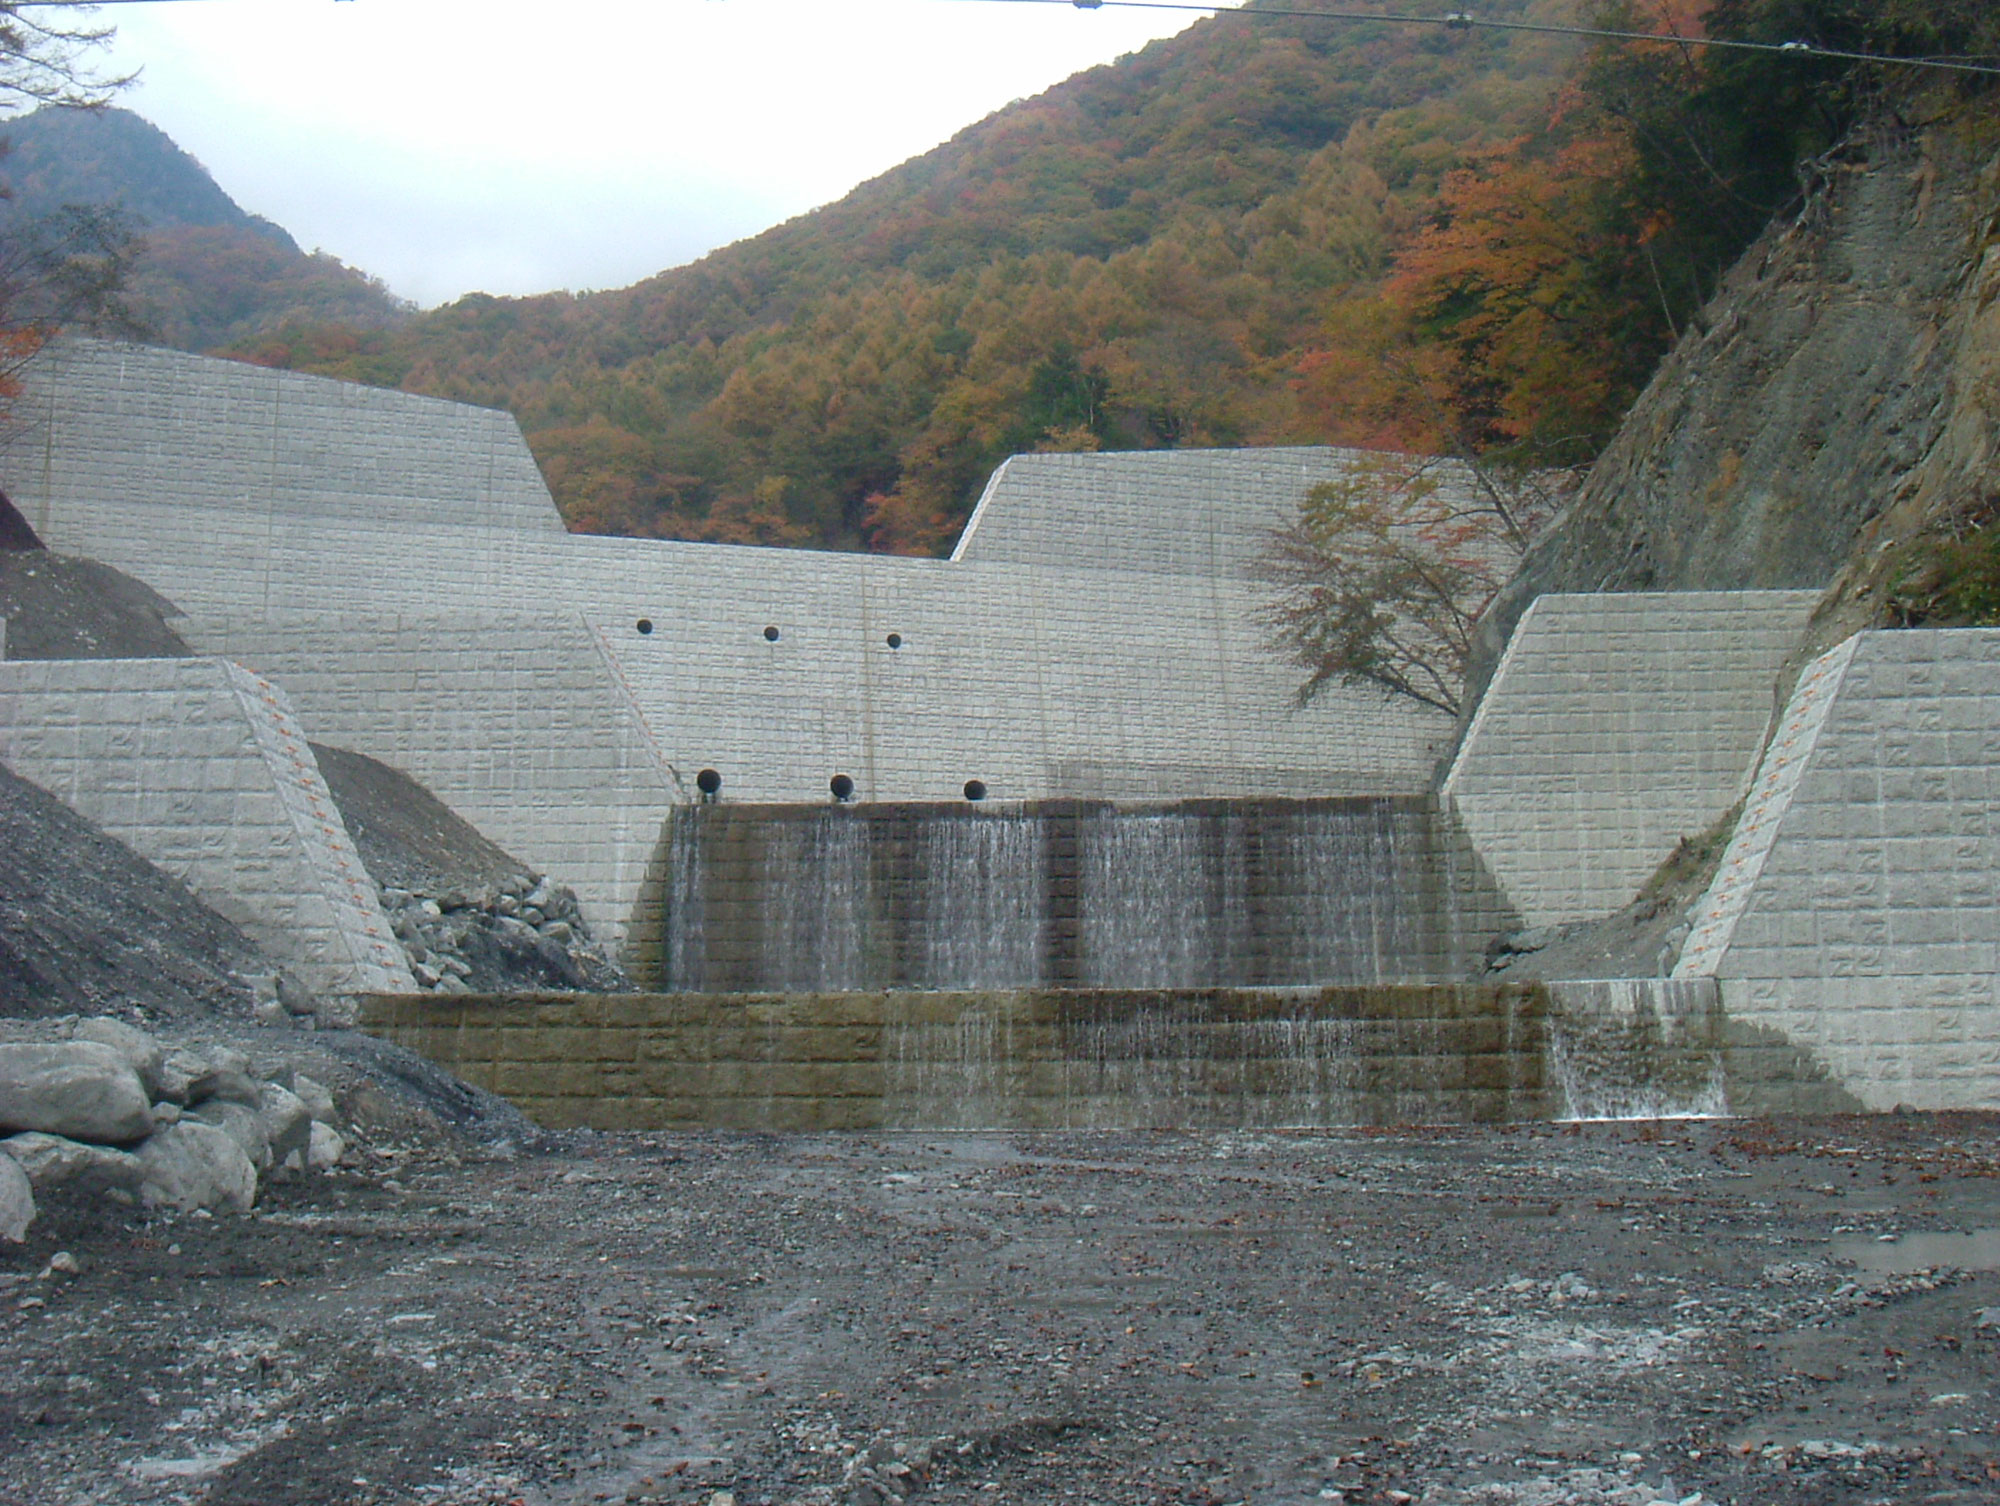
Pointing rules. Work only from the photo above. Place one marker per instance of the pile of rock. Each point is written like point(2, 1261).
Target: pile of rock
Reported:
point(523, 933)
point(112, 1113)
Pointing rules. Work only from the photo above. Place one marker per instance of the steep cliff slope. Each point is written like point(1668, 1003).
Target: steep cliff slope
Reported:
point(1840, 398)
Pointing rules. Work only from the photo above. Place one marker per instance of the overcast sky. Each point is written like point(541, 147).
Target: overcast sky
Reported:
point(456, 145)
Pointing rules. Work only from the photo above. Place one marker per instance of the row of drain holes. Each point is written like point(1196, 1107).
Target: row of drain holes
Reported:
point(841, 786)
point(771, 634)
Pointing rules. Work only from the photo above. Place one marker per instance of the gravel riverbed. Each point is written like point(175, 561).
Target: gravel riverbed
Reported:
point(1716, 1311)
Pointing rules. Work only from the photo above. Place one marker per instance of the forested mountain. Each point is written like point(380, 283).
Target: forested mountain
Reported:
point(204, 272)
point(1142, 256)
point(1271, 228)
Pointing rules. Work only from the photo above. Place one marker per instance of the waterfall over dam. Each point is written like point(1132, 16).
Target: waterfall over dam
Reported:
point(1070, 894)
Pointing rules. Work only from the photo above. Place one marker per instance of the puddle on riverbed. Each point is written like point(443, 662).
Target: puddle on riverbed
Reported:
point(1977, 1251)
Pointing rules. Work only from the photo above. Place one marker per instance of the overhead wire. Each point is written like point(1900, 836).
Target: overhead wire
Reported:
point(1458, 20)
point(1461, 20)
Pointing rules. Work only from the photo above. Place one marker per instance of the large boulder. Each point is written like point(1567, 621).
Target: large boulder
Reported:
point(227, 1077)
point(318, 1101)
point(287, 1121)
point(82, 1090)
point(193, 1165)
point(325, 1149)
point(51, 1161)
point(147, 1057)
point(244, 1126)
point(17, 1201)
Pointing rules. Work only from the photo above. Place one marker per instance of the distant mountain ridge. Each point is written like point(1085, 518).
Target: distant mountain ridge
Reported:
point(114, 158)
point(210, 274)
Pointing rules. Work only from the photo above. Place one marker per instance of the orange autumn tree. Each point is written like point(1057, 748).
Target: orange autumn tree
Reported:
point(1508, 333)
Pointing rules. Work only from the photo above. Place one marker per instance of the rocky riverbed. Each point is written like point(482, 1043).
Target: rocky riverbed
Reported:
point(1720, 1311)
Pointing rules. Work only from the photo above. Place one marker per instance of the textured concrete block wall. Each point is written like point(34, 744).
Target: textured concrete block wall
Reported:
point(518, 724)
point(201, 768)
point(1616, 725)
point(109, 429)
point(1202, 513)
point(1070, 1059)
point(1196, 894)
point(1041, 684)
point(1857, 908)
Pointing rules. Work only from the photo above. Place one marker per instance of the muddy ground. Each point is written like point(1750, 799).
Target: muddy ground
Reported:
point(1725, 1311)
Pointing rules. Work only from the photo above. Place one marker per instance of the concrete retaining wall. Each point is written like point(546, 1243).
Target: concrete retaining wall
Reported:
point(521, 726)
point(201, 768)
point(1055, 1059)
point(1616, 725)
point(1857, 908)
point(1081, 672)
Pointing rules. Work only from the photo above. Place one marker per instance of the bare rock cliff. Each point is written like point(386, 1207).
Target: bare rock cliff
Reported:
point(1841, 395)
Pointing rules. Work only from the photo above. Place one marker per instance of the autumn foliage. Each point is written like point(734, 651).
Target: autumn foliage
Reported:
point(1266, 230)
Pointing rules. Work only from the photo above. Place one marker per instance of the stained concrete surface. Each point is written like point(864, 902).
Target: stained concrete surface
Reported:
point(1716, 1311)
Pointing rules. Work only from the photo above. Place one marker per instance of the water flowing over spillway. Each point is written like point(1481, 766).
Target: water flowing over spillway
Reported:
point(1199, 894)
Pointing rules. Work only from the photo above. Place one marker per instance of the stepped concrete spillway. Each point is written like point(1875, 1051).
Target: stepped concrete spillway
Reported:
point(1076, 894)
point(1163, 814)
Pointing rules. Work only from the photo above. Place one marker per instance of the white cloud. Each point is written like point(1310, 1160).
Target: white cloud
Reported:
point(448, 146)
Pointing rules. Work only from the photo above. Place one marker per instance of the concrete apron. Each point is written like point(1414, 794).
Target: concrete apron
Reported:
point(1111, 1059)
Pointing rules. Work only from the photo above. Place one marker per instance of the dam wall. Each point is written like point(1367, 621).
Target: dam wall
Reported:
point(1074, 1059)
point(1616, 725)
point(1075, 894)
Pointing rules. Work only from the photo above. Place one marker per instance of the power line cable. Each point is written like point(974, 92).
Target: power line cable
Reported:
point(1450, 20)
point(1466, 21)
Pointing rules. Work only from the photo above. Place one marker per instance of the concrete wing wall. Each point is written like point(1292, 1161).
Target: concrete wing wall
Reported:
point(1857, 909)
point(521, 726)
point(107, 429)
point(1168, 512)
point(1616, 725)
point(201, 768)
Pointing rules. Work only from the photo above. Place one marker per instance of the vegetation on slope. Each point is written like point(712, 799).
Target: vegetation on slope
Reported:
point(1139, 257)
point(1269, 229)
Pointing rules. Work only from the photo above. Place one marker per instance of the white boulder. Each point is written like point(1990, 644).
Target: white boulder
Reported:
point(82, 1090)
point(325, 1149)
point(287, 1121)
point(318, 1100)
point(147, 1057)
point(243, 1125)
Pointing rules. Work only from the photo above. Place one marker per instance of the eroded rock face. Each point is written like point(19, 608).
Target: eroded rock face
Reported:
point(193, 1165)
point(81, 1090)
point(1832, 386)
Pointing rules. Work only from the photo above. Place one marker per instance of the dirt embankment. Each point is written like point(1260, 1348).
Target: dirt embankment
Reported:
point(87, 926)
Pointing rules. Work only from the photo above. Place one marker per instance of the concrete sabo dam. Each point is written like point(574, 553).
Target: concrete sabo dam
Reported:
point(1185, 898)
